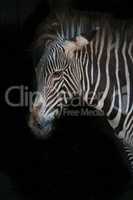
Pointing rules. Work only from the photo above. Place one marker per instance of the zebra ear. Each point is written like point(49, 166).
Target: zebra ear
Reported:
point(77, 44)
point(90, 35)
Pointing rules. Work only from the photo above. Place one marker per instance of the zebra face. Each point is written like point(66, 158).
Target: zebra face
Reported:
point(55, 85)
point(58, 80)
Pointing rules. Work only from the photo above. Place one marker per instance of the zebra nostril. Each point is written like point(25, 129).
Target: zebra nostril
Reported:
point(38, 124)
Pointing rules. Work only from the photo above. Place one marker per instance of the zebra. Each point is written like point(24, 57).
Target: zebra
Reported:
point(89, 55)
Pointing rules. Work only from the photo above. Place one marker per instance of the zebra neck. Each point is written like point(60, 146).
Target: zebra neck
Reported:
point(111, 90)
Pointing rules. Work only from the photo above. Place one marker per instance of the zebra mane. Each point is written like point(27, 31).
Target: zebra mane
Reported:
point(69, 24)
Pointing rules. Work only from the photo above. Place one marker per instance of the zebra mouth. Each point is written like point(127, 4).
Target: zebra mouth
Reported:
point(41, 130)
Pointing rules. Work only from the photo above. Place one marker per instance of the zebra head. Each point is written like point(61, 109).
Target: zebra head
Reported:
point(58, 80)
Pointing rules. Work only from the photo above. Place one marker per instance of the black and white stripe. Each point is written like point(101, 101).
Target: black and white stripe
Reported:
point(101, 72)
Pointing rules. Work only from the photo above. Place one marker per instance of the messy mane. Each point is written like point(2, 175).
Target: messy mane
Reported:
point(68, 24)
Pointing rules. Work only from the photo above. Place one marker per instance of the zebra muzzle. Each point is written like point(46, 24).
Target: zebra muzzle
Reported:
point(40, 126)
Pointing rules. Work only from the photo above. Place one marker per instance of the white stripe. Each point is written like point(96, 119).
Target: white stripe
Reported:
point(130, 51)
point(81, 67)
point(77, 64)
point(92, 64)
point(127, 75)
point(112, 104)
point(87, 78)
point(101, 101)
point(98, 64)
point(115, 122)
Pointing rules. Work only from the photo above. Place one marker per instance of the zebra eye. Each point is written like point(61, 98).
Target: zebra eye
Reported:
point(57, 74)
point(47, 43)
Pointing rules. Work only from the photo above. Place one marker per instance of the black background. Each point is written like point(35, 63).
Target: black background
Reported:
point(79, 159)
